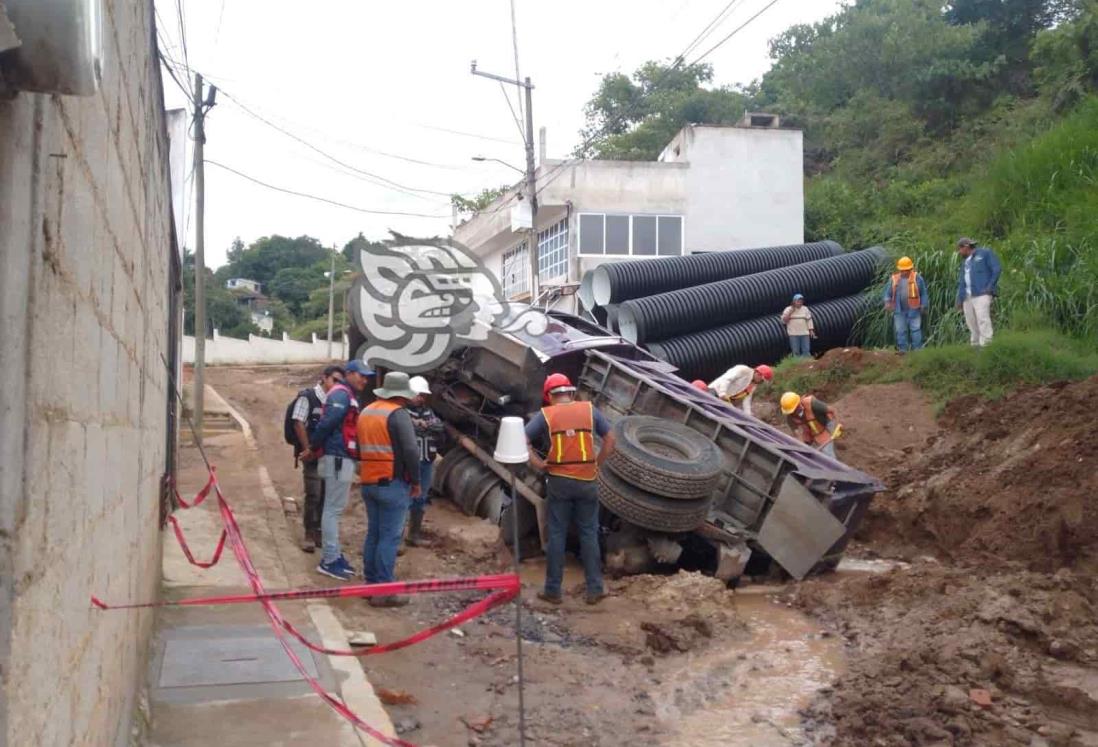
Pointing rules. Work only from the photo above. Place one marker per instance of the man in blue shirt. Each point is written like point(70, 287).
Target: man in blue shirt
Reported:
point(977, 285)
point(334, 437)
point(905, 295)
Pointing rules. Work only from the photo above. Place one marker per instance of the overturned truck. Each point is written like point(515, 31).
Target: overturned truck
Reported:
point(693, 478)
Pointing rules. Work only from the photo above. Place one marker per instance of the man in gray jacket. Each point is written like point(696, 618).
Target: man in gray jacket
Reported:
point(389, 472)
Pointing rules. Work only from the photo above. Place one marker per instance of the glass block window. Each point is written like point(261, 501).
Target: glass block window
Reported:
point(553, 252)
point(630, 235)
point(514, 274)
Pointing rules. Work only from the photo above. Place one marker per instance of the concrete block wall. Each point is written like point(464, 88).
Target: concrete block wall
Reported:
point(85, 244)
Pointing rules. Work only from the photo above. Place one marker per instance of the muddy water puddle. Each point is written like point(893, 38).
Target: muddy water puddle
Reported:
point(749, 693)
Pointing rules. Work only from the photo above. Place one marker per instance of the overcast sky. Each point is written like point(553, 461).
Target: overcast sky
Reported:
point(373, 83)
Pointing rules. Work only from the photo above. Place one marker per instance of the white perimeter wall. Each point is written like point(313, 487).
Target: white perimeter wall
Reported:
point(225, 351)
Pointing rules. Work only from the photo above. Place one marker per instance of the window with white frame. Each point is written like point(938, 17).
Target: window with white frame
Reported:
point(553, 252)
point(514, 273)
point(602, 234)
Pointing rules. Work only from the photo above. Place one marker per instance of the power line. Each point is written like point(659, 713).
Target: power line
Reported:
point(183, 37)
point(518, 123)
point(735, 31)
point(709, 29)
point(329, 156)
point(465, 134)
point(322, 199)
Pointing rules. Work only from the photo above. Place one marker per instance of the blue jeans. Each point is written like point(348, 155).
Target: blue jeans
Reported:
point(386, 510)
point(799, 344)
point(569, 499)
point(426, 469)
point(909, 329)
point(337, 489)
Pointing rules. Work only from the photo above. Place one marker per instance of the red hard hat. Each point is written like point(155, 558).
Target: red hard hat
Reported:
point(556, 382)
point(700, 385)
point(765, 371)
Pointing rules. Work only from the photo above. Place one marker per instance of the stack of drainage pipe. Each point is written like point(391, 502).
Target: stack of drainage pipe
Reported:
point(706, 312)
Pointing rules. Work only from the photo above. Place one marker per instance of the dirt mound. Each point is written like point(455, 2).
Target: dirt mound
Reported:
point(684, 590)
point(834, 369)
point(928, 640)
point(1014, 479)
point(885, 427)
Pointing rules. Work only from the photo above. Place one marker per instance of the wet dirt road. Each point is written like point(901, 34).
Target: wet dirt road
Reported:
point(667, 660)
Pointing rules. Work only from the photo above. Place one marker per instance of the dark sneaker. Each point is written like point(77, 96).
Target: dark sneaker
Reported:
point(550, 598)
point(347, 567)
point(307, 545)
point(334, 570)
point(596, 597)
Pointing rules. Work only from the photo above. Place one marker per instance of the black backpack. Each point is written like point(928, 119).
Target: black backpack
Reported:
point(288, 433)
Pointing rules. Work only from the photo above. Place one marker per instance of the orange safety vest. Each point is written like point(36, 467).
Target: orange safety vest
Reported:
point(913, 300)
point(571, 440)
point(375, 448)
point(812, 430)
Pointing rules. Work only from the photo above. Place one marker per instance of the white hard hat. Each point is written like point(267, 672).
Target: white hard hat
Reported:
point(419, 385)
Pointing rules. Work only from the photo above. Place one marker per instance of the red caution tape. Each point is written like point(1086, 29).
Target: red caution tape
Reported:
point(200, 496)
point(187, 549)
point(505, 587)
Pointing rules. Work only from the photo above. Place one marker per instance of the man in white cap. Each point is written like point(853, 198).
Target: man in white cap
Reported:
point(429, 432)
point(389, 473)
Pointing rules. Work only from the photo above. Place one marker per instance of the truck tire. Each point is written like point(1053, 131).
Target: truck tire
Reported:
point(648, 510)
point(665, 458)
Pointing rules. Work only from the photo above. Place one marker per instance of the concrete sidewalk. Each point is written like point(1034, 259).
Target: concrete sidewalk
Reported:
point(219, 674)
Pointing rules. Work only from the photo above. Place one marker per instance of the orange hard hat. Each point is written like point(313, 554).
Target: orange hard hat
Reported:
point(700, 385)
point(765, 371)
point(556, 383)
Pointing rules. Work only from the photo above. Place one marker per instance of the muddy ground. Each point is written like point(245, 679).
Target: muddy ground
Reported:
point(984, 633)
point(666, 660)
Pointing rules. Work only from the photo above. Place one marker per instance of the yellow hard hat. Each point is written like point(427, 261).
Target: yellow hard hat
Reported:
point(905, 263)
point(789, 402)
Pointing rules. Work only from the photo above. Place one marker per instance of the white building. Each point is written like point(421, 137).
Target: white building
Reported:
point(242, 284)
point(713, 188)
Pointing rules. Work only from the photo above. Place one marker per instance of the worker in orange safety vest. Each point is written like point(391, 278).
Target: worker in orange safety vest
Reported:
point(905, 295)
point(568, 427)
point(389, 473)
point(812, 421)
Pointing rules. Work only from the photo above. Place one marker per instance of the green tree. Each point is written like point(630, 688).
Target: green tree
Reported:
point(633, 118)
point(223, 312)
point(482, 200)
point(265, 257)
point(292, 285)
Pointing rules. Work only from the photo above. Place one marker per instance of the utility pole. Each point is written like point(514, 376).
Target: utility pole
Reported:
point(199, 262)
point(331, 300)
point(531, 179)
point(532, 194)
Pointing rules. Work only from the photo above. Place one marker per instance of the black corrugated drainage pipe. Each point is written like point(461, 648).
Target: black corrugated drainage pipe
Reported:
point(678, 312)
point(614, 282)
point(706, 355)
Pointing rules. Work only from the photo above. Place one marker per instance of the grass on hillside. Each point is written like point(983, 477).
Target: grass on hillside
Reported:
point(1014, 359)
point(1035, 204)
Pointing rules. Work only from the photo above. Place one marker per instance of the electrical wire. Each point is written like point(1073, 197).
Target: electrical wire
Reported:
point(321, 199)
point(518, 123)
point(329, 156)
point(707, 31)
point(183, 37)
point(735, 31)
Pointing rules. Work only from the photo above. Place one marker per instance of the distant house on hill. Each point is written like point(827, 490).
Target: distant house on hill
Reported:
point(242, 284)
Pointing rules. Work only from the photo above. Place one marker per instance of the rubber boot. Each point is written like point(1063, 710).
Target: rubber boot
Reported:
point(414, 537)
